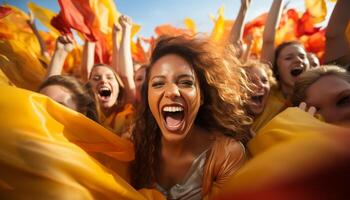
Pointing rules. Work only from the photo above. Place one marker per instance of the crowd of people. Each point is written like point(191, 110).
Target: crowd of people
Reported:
point(196, 110)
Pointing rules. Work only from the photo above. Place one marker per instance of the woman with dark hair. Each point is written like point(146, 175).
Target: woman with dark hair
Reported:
point(191, 99)
point(115, 94)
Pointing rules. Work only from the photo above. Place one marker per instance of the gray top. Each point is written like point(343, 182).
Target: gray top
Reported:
point(191, 186)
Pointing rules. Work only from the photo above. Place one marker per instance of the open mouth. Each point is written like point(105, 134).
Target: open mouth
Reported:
point(257, 98)
point(104, 93)
point(296, 72)
point(173, 117)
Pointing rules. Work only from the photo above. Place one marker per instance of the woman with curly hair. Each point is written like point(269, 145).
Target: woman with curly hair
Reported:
point(261, 83)
point(191, 99)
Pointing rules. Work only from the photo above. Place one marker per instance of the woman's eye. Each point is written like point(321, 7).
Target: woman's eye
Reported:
point(157, 84)
point(186, 83)
point(264, 80)
point(110, 77)
point(96, 78)
point(343, 101)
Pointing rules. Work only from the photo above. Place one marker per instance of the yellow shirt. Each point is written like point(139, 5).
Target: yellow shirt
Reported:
point(274, 105)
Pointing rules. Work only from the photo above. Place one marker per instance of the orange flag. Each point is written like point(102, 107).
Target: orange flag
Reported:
point(4, 11)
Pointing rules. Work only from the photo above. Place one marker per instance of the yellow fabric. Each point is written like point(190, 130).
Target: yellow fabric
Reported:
point(218, 30)
point(120, 121)
point(106, 14)
point(274, 105)
point(4, 80)
point(317, 9)
point(291, 147)
point(191, 25)
point(20, 65)
point(15, 27)
point(44, 15)
point(43, 155)
point(289, 124)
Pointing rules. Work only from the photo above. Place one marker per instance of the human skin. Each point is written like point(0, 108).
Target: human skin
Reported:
point(335, 108)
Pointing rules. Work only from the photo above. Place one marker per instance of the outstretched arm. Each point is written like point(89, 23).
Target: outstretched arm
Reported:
point(88, 59)
point(63, 47)
point(272, 22)
point(336, 43)
point(125, 64)
point(236, 33)
point(43, 49)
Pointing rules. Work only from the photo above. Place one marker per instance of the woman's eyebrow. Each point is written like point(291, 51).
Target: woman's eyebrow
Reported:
point(158, 76)
point(186, 76)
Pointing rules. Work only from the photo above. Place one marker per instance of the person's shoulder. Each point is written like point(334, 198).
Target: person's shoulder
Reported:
point(228, 146)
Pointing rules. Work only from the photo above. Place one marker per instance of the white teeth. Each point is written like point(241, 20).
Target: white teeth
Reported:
point(104, 88)
point(172, 109)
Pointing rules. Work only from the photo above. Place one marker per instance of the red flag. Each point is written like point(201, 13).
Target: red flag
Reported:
point(4, 11)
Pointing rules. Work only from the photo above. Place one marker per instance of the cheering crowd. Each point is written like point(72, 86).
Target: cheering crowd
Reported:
point(193, 118)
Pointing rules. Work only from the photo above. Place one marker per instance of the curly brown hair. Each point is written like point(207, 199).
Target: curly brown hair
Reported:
point(223, 90)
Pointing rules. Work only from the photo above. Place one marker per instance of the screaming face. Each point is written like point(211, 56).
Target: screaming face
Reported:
point(105, 86)
point(173, 96)
point(260, 89)
point(291, 62)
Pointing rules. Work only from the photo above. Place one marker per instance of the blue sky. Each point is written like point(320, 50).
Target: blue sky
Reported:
point(151, 13)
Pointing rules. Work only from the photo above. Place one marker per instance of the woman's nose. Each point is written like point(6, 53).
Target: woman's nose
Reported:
point(172, 91)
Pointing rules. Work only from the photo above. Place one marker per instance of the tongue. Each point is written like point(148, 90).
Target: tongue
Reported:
point(173, 119)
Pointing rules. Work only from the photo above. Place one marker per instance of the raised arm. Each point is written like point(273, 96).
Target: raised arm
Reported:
point(247, 51)
point(125, 64)
point(43, 49)
point(115, 47)
point(336, 43)
point(236, 33)
point(63, 47)
point(88, 59)
point(272, 22)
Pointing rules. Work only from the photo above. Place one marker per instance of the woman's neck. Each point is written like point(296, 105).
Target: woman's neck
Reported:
point(109, 110)
point(196, 141)
point(286, 90)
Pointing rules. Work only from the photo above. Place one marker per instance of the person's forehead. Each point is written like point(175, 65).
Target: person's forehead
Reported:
point(327, 86)
point(292, 48)
point(170, 64)
point(102, 70)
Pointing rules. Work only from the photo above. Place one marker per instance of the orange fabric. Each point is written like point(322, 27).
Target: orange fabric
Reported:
point(225, 158)
point(317, 9)
point(21, 66)
point(44, 152)
point(119, 122)
point(168, 29)
point(4, 11)
point(295, 156)
point(44, 15)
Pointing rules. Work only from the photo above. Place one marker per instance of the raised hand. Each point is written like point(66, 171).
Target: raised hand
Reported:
point(125, 21)
point(65, 43)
